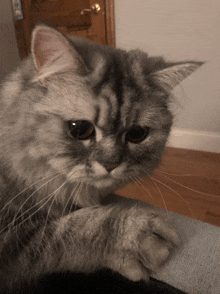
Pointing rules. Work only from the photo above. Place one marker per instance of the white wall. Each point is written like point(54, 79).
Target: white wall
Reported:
point(9, 57)
point(181, 30)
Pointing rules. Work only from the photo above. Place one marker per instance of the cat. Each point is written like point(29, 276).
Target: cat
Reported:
point(79, 120)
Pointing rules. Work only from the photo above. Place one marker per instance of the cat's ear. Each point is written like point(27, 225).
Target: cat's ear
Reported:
point(52, 53)
point(171, 76)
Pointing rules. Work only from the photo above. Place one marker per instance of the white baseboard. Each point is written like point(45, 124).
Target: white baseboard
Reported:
point(196, 140)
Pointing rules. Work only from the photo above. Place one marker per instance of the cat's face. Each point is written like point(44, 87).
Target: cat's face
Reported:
point(90, 136)
point(95, 114)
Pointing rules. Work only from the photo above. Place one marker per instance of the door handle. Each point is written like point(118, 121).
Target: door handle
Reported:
point(17, 9)
point(95, 8)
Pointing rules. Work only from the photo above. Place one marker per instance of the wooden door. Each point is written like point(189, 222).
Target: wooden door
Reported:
point(73, 17)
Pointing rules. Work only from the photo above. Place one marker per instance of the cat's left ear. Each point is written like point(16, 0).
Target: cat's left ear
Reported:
point(52, 53)
point(170, 77)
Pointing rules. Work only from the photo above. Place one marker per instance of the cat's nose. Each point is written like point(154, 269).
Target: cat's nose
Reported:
point(111, 166)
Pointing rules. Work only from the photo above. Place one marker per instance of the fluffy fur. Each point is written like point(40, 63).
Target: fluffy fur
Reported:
point(47, 174)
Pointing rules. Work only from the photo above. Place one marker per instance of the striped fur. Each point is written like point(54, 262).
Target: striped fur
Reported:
point(46, 175)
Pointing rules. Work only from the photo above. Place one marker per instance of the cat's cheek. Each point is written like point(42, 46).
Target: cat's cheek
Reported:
point(139, 153)
point(63, 166)
point(59, 164)
point(139, 149)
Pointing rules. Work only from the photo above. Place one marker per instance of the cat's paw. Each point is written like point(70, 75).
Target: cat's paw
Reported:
point(147, 241)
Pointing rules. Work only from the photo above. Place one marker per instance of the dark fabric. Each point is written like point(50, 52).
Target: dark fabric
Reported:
point(102, 282)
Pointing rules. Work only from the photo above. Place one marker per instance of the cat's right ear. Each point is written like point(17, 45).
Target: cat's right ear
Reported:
point(52, 53)
point(171, 76)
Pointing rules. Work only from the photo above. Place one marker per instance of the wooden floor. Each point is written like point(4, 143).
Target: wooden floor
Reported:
point(187, 182)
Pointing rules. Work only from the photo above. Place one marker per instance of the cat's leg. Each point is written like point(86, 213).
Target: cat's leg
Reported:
point(131, 240)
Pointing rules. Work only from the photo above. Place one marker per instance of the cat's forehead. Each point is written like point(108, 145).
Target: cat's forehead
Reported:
point(113, 107)
point(119, 101)
point(117, 112)
point(122, 100)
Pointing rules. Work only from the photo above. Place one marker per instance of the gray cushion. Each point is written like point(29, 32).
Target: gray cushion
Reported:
point(195, 269)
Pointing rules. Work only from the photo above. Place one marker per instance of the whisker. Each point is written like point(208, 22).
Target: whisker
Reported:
point(96, 201)
point(11, 223)
point(138, 181)
point(177, 194)
point(51, 175)
point(26, 200)
point(78, 185)
point(72, 191)
point(48, 196)
point(159, 193)
point(79, 191)
point(48, 213)
point(49, 209)
point(86, 196)
point(134, 180)
point(177, 175)
point(73, 197)
point(8, 203)
point(36, 204)
point(181, 197)
point(68, 201)
point(156, 187)
point(191, 189)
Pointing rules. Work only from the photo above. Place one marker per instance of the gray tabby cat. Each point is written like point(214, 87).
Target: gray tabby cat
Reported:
point(78, 120)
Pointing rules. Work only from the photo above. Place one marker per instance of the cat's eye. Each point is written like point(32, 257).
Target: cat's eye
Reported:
point(137, 134)
point(81, 129)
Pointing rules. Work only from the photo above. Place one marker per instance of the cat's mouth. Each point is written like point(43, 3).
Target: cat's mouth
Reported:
point(98, 175)
point(95, 178)
point(108, 182)
point(113, 171)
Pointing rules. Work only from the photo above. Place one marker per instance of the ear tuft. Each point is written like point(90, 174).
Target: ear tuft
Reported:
point(52, 52)
point(170, 77)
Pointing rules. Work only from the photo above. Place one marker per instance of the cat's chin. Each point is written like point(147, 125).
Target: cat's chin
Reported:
point(103, 182)
point(108, 184)
point(93, 190)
